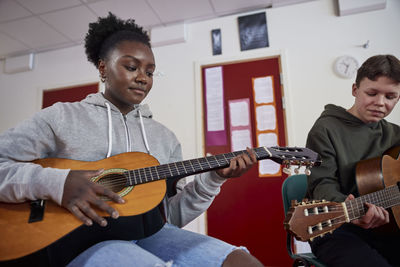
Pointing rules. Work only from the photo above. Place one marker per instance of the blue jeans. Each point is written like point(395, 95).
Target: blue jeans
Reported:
point(171, 246)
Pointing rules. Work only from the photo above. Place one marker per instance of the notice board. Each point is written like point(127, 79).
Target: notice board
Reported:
point(243, 106)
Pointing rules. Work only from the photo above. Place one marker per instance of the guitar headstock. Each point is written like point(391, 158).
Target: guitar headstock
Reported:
point(307, 220)
point(298, 156)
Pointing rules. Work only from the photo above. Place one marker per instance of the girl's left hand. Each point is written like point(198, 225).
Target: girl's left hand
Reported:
point(239, 165)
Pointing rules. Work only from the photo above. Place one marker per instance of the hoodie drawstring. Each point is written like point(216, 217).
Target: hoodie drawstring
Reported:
point(109, 129)
point(144, 132)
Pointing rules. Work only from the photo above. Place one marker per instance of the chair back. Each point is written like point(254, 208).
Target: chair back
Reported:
point(294, 187)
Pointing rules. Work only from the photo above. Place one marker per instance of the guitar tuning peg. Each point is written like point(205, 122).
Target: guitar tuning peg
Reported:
point(287, 171)
point(307, 171)
point(297, 170)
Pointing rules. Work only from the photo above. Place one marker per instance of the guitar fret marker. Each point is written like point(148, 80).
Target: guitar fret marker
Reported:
point(176, 167)
point(225, 158)
point(198, 160)
point(183, 165)
point(169, 168)
point(151, 174)
point(140, 175)
point(158, 174)
point(130, 179)
point(136, 171)
point(191, 165)
point(216, 160)
point(208, 162)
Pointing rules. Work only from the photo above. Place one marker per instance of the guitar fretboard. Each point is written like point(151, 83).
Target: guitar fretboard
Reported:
point(282, 155)
point(187, 167)
point(386, 198)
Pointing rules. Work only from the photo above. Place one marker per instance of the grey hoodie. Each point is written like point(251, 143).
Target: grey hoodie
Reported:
point(91, 130)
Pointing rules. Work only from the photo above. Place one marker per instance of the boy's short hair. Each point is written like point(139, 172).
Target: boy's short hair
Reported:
point(379, 65)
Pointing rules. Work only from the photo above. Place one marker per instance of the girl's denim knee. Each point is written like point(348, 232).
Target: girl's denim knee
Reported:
point(171, 246)
point(186, 248)
point(116, 253)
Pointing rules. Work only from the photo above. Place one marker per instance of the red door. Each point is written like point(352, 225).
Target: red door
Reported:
point(68, 94)
point(249, 211)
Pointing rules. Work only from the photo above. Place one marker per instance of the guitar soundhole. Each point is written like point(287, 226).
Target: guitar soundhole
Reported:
point(115, 181)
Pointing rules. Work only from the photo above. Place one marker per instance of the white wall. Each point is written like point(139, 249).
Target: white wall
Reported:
point(308, 36)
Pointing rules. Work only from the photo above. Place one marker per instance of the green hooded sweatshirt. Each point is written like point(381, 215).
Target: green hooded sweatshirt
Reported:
point(343, 140)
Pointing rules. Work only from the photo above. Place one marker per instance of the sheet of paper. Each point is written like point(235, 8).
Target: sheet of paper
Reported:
point(267, 139)
point(241, 139)
point(240, 125)
point(266, 117)
point(268, 166)
point(239, 113)
point(263, 90)
point(214, 98)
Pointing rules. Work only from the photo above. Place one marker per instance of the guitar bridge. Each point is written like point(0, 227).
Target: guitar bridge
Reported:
point(37, 211)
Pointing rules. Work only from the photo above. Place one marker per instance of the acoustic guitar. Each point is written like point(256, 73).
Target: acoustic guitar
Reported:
point(378, 182)
point(136, 176)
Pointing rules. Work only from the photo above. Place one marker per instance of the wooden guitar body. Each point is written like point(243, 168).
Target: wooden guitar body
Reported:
point(378, 173)
point(58, 221)
point(138, 178)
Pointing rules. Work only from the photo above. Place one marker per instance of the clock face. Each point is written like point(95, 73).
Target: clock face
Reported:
point(346, 66)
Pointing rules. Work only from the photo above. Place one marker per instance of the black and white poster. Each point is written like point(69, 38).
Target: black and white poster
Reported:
point(253, 31)
point(216, 42)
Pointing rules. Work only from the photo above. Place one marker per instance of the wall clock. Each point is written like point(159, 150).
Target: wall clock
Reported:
point(346, 66)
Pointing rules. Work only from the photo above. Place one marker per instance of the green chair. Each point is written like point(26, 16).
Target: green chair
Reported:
point(294, 188)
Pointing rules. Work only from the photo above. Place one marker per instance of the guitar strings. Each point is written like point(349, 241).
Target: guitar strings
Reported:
point(395, 201)
point(119, 179)
point(332, 224)
point(163, 171)
point(388, 197)
point(167, 170)
point(395, 198)
point(339, 219)
point(389, 194)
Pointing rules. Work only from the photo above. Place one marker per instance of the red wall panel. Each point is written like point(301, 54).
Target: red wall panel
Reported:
point(68, 94)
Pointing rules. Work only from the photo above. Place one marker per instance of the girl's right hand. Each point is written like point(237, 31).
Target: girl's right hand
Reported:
point(81, 196)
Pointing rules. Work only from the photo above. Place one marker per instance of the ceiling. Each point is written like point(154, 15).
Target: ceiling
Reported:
point(41, 25)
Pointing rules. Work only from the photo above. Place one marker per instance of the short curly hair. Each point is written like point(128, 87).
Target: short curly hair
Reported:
point(109, 31)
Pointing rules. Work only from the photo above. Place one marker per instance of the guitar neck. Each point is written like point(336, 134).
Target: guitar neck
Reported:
point(386, 198)
point(187, 167)
point(281, 155)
